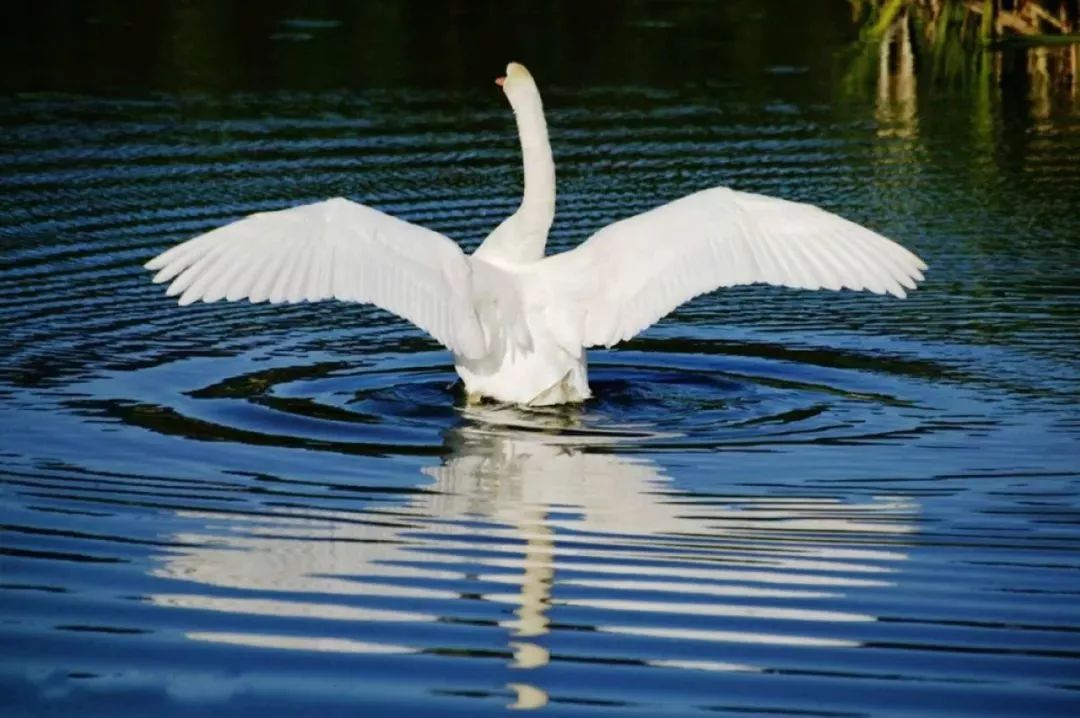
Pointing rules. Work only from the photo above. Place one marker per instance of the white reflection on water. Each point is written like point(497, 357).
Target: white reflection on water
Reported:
point(532, 510)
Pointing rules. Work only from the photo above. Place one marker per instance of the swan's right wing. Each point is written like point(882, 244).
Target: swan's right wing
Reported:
point(633, 272)
point(335, 249)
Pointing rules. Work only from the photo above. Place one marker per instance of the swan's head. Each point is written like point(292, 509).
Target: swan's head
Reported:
point(518, 84)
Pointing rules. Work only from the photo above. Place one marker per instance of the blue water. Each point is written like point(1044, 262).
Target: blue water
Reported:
point(779, 502)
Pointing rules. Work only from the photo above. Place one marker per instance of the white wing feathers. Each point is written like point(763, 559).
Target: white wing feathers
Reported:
point(620, 281)
point(633, 272)
point(335, 249)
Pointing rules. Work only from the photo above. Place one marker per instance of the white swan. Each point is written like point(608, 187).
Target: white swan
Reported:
point(517, 322)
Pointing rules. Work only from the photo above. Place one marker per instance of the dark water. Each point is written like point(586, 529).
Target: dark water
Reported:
point(779, 502)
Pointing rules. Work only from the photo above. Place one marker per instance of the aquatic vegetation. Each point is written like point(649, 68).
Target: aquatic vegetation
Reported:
point(980, 49)
point(984, 20)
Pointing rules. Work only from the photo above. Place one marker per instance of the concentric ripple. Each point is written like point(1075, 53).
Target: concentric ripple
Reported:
point(649, 398)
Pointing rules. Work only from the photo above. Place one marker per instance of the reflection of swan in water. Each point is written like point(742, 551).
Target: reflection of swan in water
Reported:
point(528, 511)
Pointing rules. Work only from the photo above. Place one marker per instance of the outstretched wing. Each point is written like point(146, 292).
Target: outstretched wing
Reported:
point(633, 272)
point(335, 249)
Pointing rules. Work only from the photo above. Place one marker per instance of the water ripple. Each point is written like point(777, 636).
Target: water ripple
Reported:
point(791, 503)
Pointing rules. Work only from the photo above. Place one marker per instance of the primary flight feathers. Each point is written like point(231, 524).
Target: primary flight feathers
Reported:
point(335, 249)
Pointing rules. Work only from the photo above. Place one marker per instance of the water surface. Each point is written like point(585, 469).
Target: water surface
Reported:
point(778, 502)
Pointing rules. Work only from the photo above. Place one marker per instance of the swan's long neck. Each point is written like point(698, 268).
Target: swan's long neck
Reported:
point(538, 203)
point(523, 235)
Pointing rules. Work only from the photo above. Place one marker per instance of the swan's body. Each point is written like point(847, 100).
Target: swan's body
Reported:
point(517, 322)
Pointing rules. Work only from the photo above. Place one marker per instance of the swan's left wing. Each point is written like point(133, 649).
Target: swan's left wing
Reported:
point(633, 272)
point(335, 249)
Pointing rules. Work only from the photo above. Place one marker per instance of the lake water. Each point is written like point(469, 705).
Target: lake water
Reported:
point(779, 502)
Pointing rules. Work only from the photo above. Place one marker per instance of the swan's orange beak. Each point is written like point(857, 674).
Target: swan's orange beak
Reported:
point(499, 81)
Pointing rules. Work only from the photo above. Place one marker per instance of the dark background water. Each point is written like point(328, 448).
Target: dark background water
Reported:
point(778, 502)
